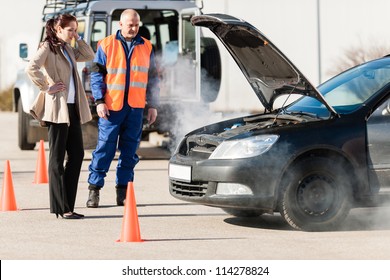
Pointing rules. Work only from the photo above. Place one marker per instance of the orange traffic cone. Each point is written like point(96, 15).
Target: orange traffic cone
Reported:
point(41, 175)
point(130, 224)
point(8, 202)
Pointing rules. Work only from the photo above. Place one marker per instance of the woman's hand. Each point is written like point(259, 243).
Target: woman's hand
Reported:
point(57, 87)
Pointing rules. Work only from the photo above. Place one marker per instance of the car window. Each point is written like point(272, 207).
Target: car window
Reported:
point(357, 85)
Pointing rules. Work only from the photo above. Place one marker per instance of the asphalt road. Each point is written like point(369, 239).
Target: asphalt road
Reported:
point(171, 229)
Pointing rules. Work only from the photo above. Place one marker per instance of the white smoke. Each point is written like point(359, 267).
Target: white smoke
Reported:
point(187, 110)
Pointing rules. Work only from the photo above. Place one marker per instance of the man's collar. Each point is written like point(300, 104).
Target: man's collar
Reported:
point(137, 39)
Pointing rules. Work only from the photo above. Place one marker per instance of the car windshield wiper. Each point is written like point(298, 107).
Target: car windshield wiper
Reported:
point(301, 113)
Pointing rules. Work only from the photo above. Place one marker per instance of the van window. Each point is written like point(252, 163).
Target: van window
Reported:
point(188, 36)
point(99, 28)
point(161, 26)
point(80, 31)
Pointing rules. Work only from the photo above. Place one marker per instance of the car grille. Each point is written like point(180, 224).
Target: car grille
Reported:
point(200, 146)
point(193, 189)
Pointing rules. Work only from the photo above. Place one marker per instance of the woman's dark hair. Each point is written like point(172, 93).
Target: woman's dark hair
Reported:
point(51, 36)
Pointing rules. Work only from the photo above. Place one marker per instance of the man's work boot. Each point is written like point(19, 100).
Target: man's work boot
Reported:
point(93, 198)
point(120, 195)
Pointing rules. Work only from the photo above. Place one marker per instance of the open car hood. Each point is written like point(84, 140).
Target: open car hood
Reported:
point(268, 70)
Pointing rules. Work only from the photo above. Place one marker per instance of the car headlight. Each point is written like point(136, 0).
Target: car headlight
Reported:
point(244, 148)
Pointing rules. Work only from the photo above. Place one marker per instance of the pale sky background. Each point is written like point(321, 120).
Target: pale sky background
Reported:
point(20, 21)
point(290, 24)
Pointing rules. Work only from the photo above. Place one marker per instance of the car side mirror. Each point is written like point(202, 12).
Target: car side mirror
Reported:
point(23, 50)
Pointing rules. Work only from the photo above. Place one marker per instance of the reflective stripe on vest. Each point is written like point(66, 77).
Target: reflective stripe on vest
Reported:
point(116, 73)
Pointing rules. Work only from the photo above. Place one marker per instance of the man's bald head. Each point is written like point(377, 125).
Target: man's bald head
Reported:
point(129, 24)
point(129, 13)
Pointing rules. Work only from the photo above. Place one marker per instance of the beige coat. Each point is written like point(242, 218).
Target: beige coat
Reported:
point(45, 69)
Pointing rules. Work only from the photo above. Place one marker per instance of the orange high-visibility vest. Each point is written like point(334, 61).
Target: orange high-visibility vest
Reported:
point(116, 73)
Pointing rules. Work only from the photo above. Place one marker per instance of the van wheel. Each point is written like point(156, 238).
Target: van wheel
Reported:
point(317, 195)
point(23, 126)
point(243, 213)
point(211, 69)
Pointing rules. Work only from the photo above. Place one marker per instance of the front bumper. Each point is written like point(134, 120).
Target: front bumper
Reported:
point(261, 177)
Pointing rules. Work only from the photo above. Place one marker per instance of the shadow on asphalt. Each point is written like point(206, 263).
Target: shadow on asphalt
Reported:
point(193, 239)
point(153, 153)
point(155, 216)
point(166, 204)
point(274, 222)
point(366, 219)
point(33, 209)
point(146, 153)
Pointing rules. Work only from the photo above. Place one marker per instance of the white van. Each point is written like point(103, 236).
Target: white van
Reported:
point(189, 64)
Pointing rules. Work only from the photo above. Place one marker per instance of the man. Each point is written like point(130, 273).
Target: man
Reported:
point(124, 82)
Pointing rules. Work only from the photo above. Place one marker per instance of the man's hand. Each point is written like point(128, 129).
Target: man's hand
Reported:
point(102, 110)
point(152, 115)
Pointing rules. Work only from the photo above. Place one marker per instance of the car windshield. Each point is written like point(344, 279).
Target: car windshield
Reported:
point(347, 91)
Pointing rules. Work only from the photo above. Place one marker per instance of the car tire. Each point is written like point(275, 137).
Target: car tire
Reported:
point(243, 213)
point(317, 195)
point(23, 126)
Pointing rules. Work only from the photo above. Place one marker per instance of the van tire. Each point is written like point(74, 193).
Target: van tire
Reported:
point(23, 126)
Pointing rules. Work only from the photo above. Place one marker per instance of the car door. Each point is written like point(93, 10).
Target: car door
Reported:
point(378, 141)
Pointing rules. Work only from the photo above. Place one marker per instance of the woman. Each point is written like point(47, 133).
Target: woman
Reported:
point(62, 106)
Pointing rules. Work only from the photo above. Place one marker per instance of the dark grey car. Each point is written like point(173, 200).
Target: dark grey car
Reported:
point(312, 159)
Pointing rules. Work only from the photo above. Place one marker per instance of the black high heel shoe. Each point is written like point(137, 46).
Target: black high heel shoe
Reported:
point(77, 214)
point(72, 216)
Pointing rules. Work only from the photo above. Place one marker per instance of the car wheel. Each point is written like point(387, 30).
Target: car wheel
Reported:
point(23, 126)
point(316, 196)
point(244, 213)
